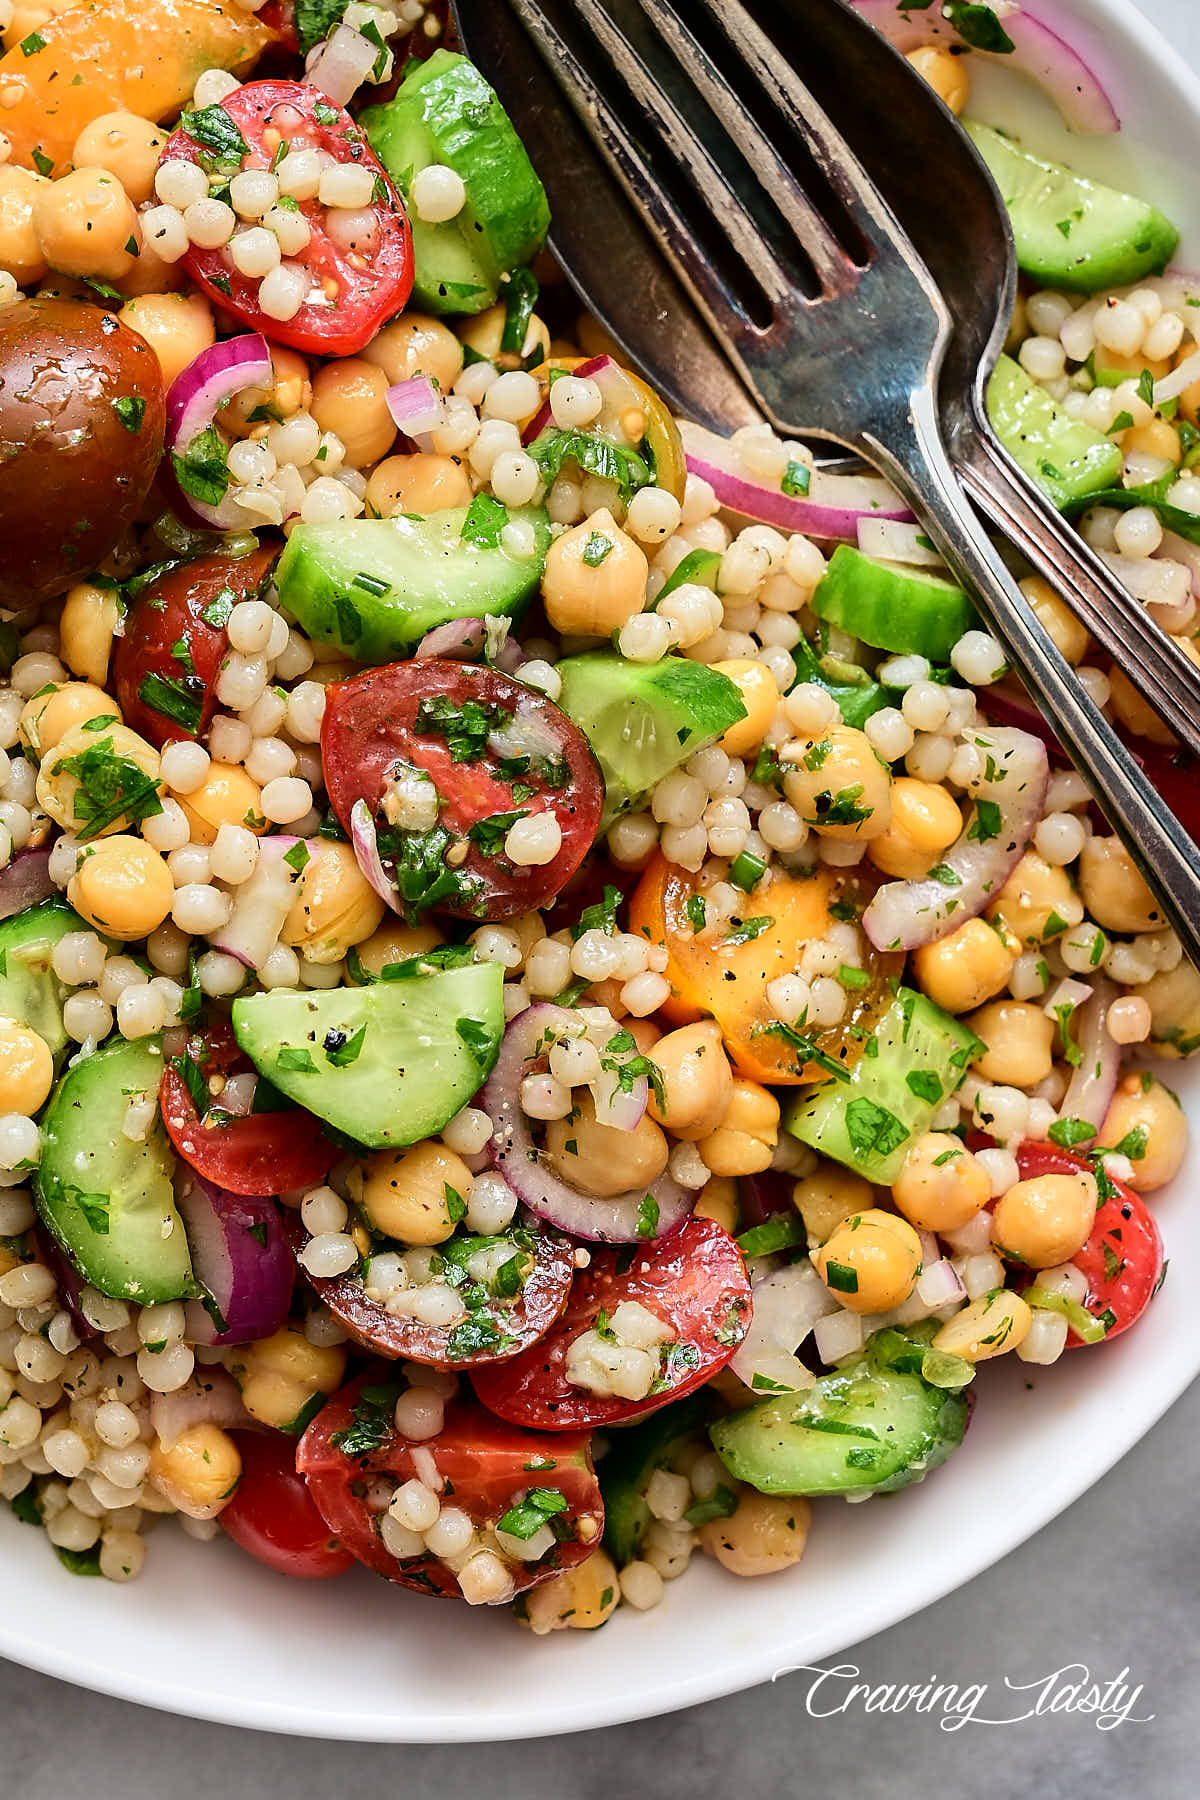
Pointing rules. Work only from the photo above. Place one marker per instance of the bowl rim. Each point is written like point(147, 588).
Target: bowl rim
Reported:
point(168, 1689)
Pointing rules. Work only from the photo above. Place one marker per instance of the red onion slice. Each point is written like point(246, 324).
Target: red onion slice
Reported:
point(219, 372)
point(24, 881)
point(787, 1304)
point(939, 1285)
point(70, 1282)
point(240, 1255)
point(1038, 52)
point(466, 640)
point(1094, 1082)
point(832, 507)
point(262, 904)
point(416, 409)
point(341, 64)
point(516, 1156)
point(906, 914)
point(366, 850)
point(210, 1397)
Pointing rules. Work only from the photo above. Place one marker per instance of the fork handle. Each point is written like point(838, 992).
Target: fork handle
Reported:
point(914, 458)
point(1156, 665)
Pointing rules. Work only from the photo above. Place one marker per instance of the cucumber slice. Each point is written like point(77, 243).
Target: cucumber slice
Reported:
point(699, 566)
point(892, 607)
point(857, 1430)
point(387, 1064)
point(916, 1057)
point(444, 112)
point(644, 719)
point(374, 587)
point(107, 1198)
point(1066, 457)
point(1069, 231)
point(30, 991)
point(634, 1455)
point(856, 700)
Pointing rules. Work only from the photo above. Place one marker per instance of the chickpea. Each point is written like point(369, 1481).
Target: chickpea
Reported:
point(395, 942)
point(59, 792)
point(484, 332)
point(1189, 400)
point(1173, 996)
point(86, 224)
point(227, 796)
point(946, 74)
point(280, 1376)
point(766, 1533)
point(1157, 437)
point(1060, 623)
point(744, 1141)
point(840, 787)
point(151, 275)
point(404, 1192)
point(48, 716)
point(760, 696)
point(598, 1158)
point(719, 1201)
point(350, 399)
point(988, 1327)
point(127, 146)
point(1134, 712)
point(871, 1262)
point(290, 392)
point(941, 1186)
point(1043, 1221)
point(421, 483)
point(200, 1471)
point(416, 345)
point(1019, 1039)
point(580, 1598)
point(177, 328)
point(697, 1080)
point(336, 906)
point(26, 1068)
point(86, 628)
point(925, 820)
point(1034, 894)
point(829, 1195)
point(594, 600)
point(1142, 1104)
point(122, 887)
point(962, 970)
point(1113, 889)
point(20, 249)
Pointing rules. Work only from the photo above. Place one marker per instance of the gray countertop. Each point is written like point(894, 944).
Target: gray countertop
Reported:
point(1107, 1594)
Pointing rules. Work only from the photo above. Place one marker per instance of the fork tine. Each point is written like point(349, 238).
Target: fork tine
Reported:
point(861, 199)
point(608, 132)
point(689, 151)
point(834, 269)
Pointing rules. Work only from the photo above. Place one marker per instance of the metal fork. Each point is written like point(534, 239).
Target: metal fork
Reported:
point(818, 297)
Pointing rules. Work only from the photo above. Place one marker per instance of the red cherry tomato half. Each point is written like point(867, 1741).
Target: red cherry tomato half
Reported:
point(1123, 1258)
point(352, 290)
point(254, 1153)
point(487, 1466)
point(272, 1515)
point(493, 749)
point(175, 639)
point(694, 1281)
point(501, 1330)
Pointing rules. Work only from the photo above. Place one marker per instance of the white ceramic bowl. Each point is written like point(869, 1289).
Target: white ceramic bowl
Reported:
point(208, 1632)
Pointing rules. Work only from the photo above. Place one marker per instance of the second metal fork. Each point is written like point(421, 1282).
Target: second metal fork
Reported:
point(823, 304)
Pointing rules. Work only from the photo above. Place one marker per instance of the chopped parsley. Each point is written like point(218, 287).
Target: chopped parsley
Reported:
point(131, 410)
point(485, 520)
point(530, 1514)
point(596, 549)
point(466, 727)
point(222, 145)
point(111, 787)
point(203, 470)
point(373, 1421)
point(341, 1050)
point(872, 1129)
point(1066, 1133)
point(595, 455)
